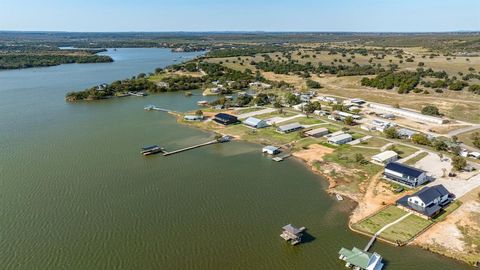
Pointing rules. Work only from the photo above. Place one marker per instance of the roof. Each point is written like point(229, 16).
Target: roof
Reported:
point(336, 133)
point(316, 131)
point(405, 132)
point(289, 228)
point(270, 148)
point(340, 137)
point(356, 257)
point(428, 194)
point(252, 121)
point(225, 116)
point(404, 169)
point(385, 155)
point(290, 126)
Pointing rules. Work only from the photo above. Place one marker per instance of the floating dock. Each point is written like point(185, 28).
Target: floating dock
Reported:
point(281, 157)
point(151, 150)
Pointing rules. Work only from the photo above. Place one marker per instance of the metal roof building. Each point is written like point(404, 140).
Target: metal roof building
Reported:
point(289, 128)
point(405, 175)
point(225, 119)
point(318, 132)
point(255, 122)
point(386, 157)
point(340, 139)
point(359, 259)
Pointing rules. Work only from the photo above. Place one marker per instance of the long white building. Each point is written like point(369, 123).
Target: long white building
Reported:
point(407, 114)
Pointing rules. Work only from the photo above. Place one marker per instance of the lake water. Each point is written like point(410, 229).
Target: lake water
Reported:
point(76, 194)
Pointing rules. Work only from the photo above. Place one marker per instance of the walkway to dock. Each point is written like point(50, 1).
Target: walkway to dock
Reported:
point(374, 237)
point(190, 148)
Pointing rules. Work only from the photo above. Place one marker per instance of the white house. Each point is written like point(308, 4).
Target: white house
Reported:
point(426, 203)
point(386, 157)
point(255, 122)
point(340, 139)
point(318, 132)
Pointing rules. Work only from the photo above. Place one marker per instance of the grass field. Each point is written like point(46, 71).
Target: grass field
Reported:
point(404, 151)
point(466, 138)
point(416, 158)
point(403, 231)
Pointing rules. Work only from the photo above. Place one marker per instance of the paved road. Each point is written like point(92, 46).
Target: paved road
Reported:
point(463, 130)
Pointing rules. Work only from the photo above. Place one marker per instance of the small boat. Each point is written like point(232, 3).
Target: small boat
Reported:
point(150, 150)
point(339, 197)
point(202, 103)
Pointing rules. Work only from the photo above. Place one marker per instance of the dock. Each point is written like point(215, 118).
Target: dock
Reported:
point(292, 234)
point(281, 157)
point(370, 243)
point(155, 108)
point(221, 140)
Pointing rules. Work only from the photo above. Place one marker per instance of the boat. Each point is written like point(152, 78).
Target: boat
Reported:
point(339, 197)
point(150, 150)
point(138, 94)
point(149, 107)
point(202, 103)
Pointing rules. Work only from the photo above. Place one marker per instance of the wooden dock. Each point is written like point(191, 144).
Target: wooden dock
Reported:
point(281, 157)
point(370, 243)
point(155, 108)
point(165, 153)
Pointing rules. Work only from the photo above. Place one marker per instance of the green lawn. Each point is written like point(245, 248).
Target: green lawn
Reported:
point(402, 150)
point(374, 142)
point(275, 114)
point(406, 229)
point(376, 222)
point(416, 158)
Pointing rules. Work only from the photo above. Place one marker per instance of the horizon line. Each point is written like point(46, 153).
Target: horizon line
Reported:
point(245, 31)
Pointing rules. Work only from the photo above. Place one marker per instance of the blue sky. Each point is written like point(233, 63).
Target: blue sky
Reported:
point(246, 15)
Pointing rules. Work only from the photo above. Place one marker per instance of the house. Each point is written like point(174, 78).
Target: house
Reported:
point(336, 133)
point(426, 203)
point(474, 155)
point(289, 128)
point(299, 107)
point(255, 122)
point(260, 85)
point(361, 260)
point(321, 112)
point(340, 139)
point(344, 115)
point(405, 175)
point(405, 133)
point(271, 150)
point(318, 132)
point(357, 101)
point(305, 98)
point(412, 115)
point(193, 117)
point(225, 119)
point(386, 157)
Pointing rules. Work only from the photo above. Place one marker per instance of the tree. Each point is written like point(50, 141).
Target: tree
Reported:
point(313, 84)
point(348, 120)
point(313, 106)
point(292, 99)
point(391, 133)
point(199, 113)
point(359, 158)
point(476, 139)
point(458, 163)
point(430, 110)
point(439, 145)
point(420, 139)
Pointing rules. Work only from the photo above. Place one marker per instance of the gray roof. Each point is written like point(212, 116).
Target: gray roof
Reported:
point(340, 137)
point(271, 148)
point(317, 130)
point(289, 127)
point(289, 228)
point(252, 121)
point(428, 194)
point(404, 169)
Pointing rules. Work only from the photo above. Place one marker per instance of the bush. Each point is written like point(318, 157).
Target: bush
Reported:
point(430, 110)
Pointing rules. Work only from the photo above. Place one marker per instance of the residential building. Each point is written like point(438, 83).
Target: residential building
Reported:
point(412, 115)
point(271, 150)
point(260, 85)
point(405, 133)
point(193, 117)
point(305, 98)
point(405, 175)
point(361, 260)
point(289, 128)
point(426, 203)
point(336, 133)
point(321, 112)
point(299, 107)
point(255, 122)
point(386, 157)
point(225, 119)
point(357, 101)
point(340, 139)
point(318, 132)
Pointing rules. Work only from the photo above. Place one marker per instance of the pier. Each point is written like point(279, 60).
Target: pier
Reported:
point(281, 157)
point(155, 108)
point(220, 140)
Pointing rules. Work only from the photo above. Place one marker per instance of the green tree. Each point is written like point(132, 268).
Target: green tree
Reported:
point(313, 84)
point(292, 99)
point(391, 133)
point(476, 139)
point(439, 145)
point(420, 139)
point(199, 113)
point(458, 163)
point(430, 110)
point(348, 120)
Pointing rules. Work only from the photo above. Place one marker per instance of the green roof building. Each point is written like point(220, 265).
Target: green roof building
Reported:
point(361, 260)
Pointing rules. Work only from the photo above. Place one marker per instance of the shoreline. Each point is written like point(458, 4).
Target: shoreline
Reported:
point(359, 201)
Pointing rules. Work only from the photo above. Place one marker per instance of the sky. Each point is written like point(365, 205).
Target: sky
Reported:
point(245, 15)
